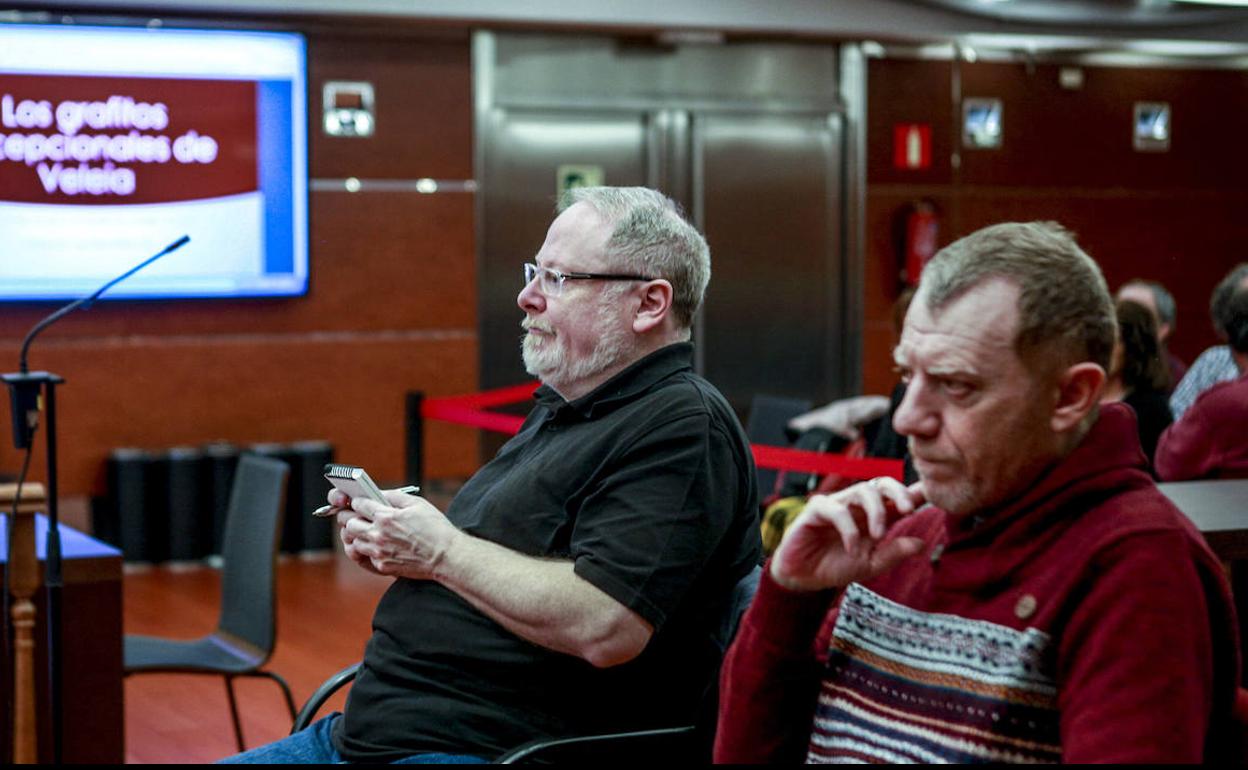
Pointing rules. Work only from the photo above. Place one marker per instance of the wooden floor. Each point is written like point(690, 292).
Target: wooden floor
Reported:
point(324, 612)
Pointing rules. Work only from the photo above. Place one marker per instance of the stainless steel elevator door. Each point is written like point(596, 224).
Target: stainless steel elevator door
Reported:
point(525, 148)
point(747, 136)
point(767, 193)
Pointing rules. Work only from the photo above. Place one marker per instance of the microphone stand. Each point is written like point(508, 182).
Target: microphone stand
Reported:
point(26, 390)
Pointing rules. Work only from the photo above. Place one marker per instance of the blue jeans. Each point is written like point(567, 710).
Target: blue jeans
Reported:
point(312, 746)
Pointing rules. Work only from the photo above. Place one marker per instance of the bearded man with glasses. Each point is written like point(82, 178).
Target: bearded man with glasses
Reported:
point(575, 583)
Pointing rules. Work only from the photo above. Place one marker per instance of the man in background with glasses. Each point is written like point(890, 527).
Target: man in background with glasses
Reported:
point(575, 583)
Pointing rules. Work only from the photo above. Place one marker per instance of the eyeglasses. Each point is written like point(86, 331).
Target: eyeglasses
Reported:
point(551, 282)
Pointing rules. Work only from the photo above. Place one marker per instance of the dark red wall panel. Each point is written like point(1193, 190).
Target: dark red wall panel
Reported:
point(1067, 155)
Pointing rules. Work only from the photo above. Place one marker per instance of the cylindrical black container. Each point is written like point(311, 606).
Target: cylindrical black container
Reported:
point(307, 493)
point(220, 460)
point(190, 520)
point(135, 515)
point(104, 523)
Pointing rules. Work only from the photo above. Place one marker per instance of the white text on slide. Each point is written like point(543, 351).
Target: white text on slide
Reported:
point(87, 147)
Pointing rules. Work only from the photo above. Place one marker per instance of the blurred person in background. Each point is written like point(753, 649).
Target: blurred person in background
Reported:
point(1160, 303)
point(1210, 440)
point(1215, 364)
point(1138, 375)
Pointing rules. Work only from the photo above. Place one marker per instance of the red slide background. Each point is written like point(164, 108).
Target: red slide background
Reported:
point(222, 109)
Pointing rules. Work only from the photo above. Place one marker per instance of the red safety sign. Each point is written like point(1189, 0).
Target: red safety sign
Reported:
point(912, 146)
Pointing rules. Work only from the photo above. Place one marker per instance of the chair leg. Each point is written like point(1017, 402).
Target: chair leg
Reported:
point(238, 728)
point(290, 701)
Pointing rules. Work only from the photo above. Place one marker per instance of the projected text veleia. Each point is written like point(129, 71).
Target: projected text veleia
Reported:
point(94, 147)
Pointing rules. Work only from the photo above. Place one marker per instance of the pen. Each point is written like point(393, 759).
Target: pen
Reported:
point(324, 510)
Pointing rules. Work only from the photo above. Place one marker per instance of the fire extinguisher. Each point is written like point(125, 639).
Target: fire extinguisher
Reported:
point(920, 236)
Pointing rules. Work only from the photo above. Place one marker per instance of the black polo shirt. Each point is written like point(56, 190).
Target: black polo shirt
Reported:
point(647, 486)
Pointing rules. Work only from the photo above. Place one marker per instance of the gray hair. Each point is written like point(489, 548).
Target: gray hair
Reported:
point(1220, 301)
point(651, 237)
point(1064, 304)
point(1163, 300)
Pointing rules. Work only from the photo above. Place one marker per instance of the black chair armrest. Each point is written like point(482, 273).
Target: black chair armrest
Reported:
point(322, 694)
point(611, 747)
point(672, 742)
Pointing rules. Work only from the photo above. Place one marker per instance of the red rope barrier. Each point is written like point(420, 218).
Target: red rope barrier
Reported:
point(470, 410)
point(823, 464)
point(484, 400)
point(450, 412)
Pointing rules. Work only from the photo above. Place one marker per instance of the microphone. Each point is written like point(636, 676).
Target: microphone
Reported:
point(24, 388)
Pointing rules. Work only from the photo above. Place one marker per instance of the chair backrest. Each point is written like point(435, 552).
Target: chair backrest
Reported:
point(742, 596)
point(769, 417)
point(249, 551)
point(708, 709)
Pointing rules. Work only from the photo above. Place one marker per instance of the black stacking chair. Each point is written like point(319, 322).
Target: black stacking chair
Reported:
point(246, 629)
point(767, 424)
point(681, 744)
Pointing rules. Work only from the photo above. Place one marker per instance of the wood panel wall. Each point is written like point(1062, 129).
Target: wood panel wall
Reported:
point(391, 305)
point(1176, 217)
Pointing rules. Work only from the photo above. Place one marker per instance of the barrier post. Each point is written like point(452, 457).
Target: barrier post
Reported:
point(415, 465)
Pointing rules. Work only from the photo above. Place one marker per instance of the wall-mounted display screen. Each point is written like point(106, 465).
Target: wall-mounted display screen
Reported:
point(116, 141)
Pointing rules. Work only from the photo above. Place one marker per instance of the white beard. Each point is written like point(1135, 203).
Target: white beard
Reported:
point(547, 357)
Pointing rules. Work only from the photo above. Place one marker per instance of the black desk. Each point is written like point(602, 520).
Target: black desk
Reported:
point(92, 650)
